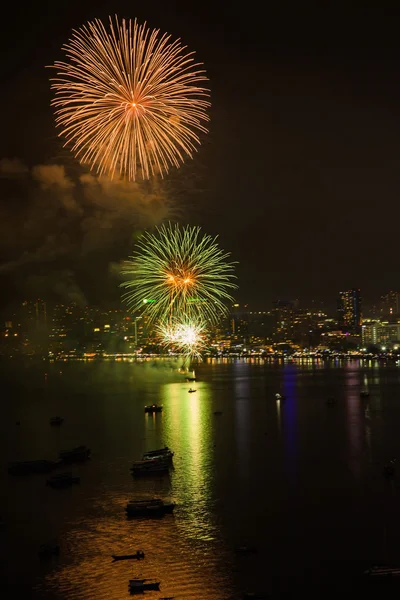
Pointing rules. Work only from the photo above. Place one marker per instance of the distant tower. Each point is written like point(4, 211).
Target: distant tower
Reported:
point(390, 304)
point(349, 311)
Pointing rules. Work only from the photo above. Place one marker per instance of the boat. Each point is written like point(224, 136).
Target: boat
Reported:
point(383, 572)
point(164, 456)
point(191, 391)
point(141, 585)
point(139, 554)
point(62, 480)
point(279, 397)
point(155, 506)
point(31, 466)
point(78, 454)
point(56, 420)
point(150, 466)
point(255, 596)
point(364, 393)
point(218, 412)
point(331, 401)
point(191, 379)
point(153, 408)
point(160, 452)
point(47, 550)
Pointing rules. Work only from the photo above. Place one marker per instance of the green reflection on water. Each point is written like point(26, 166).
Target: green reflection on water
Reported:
point(188, 431)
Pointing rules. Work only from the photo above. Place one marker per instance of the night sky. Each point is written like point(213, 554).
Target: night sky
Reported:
point(299, 174)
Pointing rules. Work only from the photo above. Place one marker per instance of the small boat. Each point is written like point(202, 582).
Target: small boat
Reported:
point(47, 550)
point(141, 585)
point(279, 397)
point(383, 572)
point(191, 391)
point(153, 408)
point(139, 554)
point(157, 453)
point(62, 480)
point(31, 466)
point(191, 379)
point(78, 454)
point(164, 450)
point(162, 457)
point(218, 412)
point(152, 507)
point(56, 420)
point(150, 467)
point(331, 401)
point(364, 393)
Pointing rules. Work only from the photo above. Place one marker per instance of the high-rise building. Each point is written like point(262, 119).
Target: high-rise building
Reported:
point(283, 312)
point(370, 332)
point(349, 311)
point(389, 305)
point(239, 324)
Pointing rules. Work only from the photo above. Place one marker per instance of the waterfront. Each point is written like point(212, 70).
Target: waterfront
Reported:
point(300, 480)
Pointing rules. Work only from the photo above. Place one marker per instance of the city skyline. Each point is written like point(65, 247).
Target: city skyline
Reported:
point(37, 327)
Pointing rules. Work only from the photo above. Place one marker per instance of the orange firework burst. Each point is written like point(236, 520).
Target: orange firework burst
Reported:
point(129, 101)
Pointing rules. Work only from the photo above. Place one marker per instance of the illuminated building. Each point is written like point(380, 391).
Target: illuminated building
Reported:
point(370, 332)
point(389, 305)
point(239, 324)
point(349, 311)
point(389, 334)
point(283, 313)
point(380, 333)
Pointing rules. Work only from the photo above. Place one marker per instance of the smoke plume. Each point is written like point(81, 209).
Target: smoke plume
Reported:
point(67, 233)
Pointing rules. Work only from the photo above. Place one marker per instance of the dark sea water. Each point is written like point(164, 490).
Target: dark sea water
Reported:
point(298, 479)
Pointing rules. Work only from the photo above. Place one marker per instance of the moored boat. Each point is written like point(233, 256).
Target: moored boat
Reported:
point(151, 466)
point(56, 420)
point(158, 452)
point(150, 507)
point(139, 554)
point(140, 585)
point(191, 391)
point(364, 393)
point(78, 454)
point(383, 572)
point(163, 456)
point(153, 408)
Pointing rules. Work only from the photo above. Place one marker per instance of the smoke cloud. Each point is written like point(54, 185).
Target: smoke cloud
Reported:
point(67, 233)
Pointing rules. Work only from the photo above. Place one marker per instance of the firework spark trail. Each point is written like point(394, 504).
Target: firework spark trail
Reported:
point(182, 272)
point(184, 335)
point(129, 99)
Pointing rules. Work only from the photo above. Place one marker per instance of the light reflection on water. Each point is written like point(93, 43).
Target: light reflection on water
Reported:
point(247, 476)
